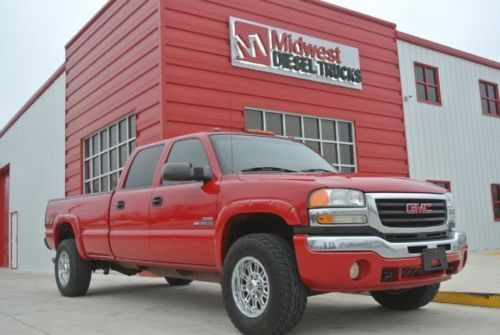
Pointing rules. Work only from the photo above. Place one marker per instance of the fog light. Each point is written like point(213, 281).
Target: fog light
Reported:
point(354, 271)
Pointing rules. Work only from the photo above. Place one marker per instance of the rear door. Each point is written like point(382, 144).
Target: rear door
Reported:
point(129, 212)
point(182, 220)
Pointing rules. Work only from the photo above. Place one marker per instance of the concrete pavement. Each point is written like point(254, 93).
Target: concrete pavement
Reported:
point(115, 304)
point(481, 274)
point(477, 285)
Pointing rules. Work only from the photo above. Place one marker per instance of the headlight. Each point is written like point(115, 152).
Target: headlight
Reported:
point(336, 197)
point(451, 210)
point(449, 199)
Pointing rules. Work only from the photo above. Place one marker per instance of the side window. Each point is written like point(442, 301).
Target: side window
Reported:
point(143, 167)
point(191, 151)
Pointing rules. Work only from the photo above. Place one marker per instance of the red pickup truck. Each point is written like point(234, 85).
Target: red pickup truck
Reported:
point(267, 218)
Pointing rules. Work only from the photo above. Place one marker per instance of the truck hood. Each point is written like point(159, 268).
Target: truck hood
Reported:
point(365, 184)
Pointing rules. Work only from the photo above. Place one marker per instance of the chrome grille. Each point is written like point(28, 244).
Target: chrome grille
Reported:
point(392, 213)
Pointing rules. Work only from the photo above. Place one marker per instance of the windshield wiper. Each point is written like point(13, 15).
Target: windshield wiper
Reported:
point(267, 168)
point(315, 170)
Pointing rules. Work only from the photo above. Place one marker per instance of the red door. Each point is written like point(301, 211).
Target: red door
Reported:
point(182, 214)
point(129, 226)
point(4, 217)
point(182, 227)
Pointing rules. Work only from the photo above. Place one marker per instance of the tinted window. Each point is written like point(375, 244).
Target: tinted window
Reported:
point(311, 127)
point(253, 119)
point(419, 73)
point(293, 126)
point(191, 151)
point(143, 167)
point(328, 130)
point(274, 123)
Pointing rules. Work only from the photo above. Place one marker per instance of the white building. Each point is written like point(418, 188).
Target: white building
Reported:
point(453, 136)
point(32, 160)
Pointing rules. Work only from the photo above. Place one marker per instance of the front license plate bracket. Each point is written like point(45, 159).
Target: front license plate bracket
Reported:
point(434, 259)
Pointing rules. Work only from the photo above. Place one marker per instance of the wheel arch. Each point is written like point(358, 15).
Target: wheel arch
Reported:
point(253, 216)
point(67, 227)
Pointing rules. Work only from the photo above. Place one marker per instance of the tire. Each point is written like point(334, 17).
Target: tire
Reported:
point(75, 280)
point(177, 281)
point(271, 258)
point(408, 299)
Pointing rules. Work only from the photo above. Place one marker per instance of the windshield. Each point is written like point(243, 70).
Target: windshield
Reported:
point(247, 153)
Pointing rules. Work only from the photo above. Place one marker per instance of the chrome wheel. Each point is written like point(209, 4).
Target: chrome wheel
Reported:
point(250, 287)
point(63, 268)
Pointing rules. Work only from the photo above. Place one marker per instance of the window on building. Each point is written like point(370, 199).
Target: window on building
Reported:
point(441, 183)
point(333, 139)
point(489, 98)
point(495, 196)
point(143, 167)
point(427, 83)
point(105, 153)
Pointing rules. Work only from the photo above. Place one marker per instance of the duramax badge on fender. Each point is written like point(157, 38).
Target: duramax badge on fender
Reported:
point(267, 218)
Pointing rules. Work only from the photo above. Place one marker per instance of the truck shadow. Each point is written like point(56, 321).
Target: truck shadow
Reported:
point(324, 313)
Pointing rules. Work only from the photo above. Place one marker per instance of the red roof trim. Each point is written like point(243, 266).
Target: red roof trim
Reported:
point(352, 12)
point(89, 23)
point(447, 50)
point(35, 96)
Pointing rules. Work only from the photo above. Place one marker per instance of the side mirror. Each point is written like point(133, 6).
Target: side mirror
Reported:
point(185, 172)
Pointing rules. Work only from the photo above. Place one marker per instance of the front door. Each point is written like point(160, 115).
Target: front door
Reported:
point(182, 221)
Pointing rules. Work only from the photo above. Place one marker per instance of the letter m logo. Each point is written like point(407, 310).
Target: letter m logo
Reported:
point(252, 43)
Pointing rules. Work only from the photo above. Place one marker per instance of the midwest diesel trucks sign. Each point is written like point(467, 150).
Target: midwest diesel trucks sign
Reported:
point(265, 48)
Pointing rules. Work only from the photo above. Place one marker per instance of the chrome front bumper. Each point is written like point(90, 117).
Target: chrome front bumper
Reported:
point(382, 247)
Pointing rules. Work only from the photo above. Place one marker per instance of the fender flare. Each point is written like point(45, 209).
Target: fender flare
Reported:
point(280, 208)
point(75, 224)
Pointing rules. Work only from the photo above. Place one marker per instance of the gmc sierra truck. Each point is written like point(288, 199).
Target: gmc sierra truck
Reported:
point(267, 218)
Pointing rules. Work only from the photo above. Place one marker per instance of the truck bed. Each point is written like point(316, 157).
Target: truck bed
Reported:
point(90, 213)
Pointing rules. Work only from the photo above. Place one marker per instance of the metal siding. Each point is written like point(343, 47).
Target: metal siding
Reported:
point(203, 90)
point(113, 69)
point(455, 141)
point(34, 148)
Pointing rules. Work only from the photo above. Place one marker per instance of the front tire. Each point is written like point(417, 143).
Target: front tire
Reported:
point(407, 299)
point(72, 273)
point(261, 288)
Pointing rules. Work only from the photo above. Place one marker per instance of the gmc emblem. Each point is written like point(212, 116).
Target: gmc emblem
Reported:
point(416, 208)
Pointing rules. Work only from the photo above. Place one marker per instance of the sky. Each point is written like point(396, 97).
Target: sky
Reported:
point(33, 34)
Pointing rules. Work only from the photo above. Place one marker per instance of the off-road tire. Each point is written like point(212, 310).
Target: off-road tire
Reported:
point(80, 271)
point(287, 294)
point(177, 281)
point(407, 299)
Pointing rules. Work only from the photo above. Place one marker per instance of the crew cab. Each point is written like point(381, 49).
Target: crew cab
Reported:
point(267, 218)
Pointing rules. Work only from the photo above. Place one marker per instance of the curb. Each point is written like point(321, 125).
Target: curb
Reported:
point(470, 299)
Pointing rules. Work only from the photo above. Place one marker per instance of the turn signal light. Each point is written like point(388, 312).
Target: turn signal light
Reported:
point(320, 198)
point(324, 219)
point(341, 218)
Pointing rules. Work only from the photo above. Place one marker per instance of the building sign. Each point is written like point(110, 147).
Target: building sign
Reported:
point(265, 48)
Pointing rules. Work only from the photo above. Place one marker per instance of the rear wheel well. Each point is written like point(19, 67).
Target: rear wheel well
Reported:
point(65, 232)
point(253, 223)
